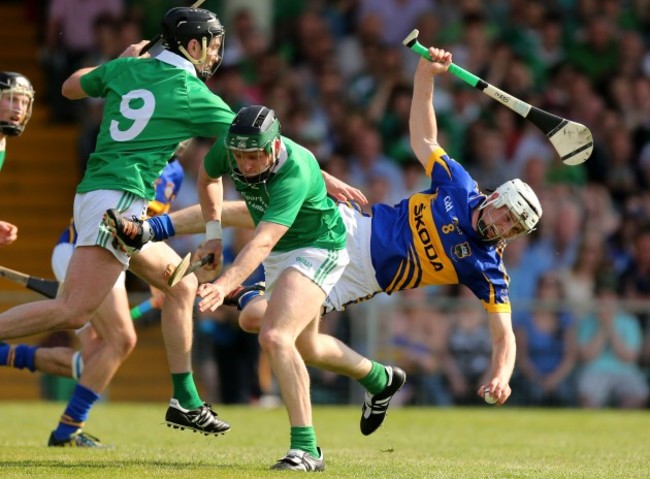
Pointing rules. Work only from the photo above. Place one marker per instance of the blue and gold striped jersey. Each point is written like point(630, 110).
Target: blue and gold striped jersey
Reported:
point(428, 239)
point(167, 186)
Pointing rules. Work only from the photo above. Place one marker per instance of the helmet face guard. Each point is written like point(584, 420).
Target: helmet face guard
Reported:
point(182, 24)
point(12, 87)
point(254, 129)
point(520, 201)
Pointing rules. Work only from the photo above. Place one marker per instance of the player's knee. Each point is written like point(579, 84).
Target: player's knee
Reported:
point(273, 340)
point(249, 322)
point(120, 346)
point(186, 288)
point(70, 318)
point(128, 342)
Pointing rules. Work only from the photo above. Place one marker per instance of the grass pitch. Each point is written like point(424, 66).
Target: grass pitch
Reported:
point(485, 442)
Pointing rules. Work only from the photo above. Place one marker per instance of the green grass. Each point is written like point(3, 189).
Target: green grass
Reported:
point(485, 442)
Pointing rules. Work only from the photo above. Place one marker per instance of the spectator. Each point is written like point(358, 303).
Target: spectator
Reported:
point(610, 343)
point(419, 343)
point(69, 40)
point(546, 349)
point(636, 285)
point(469, 350)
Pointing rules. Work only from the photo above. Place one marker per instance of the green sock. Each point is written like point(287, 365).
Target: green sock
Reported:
point(185, 391)
point(376, 380)
point(304, 438)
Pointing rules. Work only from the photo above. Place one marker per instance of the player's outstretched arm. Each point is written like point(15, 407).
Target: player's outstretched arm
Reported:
point(504, 351)
point(422, 120)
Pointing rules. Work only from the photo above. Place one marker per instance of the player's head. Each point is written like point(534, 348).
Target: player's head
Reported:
point(16, 99)
point(512, 210)
point(196, 34)
point(253, 143)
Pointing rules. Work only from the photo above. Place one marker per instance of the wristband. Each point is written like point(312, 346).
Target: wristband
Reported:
point(213, 230)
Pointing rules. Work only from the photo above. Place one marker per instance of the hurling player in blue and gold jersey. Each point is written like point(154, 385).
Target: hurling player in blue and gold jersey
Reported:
point(450, 233)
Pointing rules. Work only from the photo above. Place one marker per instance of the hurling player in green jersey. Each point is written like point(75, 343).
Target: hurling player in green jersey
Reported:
point(16, 100)
point(151, 104)
point(300, 240)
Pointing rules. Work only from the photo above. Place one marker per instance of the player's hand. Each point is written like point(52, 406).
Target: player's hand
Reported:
point(212, 295)
point(215, 247)
point(8, 233)
point(440, 61)
point(344, 192)
point(208, 273)
point(499, 390)
point(133, 50)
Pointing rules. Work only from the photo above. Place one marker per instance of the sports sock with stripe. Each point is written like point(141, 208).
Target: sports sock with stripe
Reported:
point(161, 227)
point(248, 296)
point(76, 413)
point(18, 356)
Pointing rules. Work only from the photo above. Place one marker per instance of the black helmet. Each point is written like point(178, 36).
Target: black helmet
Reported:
point(12, 84)
point(255, 128)
point(182, 24)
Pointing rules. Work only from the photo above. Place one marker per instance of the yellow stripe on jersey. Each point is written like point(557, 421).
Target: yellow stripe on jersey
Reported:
point(398, 276)
point(409, 273)
point(491, 306)
point(436, 158)
point(435, 265)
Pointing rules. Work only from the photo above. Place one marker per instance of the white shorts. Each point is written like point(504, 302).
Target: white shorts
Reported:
point(358, 281)
point(323, 267)
point(89, 209)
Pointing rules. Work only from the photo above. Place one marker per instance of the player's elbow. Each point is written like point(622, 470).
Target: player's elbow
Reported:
point(423, 149)
point(71, 89)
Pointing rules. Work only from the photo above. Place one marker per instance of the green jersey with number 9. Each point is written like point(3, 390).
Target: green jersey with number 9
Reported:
point(151, 104)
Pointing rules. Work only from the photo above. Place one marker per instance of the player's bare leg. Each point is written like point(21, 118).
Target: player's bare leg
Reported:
point(90, 265)
point(330, 354)
point(190, 220)
point(113, 324)
point(176, 315)
point(133, 233)
point(186, 408)
point(56, 361)
point(285, 319)
point(91, 276)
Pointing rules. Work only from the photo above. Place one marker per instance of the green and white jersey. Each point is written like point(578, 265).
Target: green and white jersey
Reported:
point(3, 154)
point(151, 104)
point(294, 195)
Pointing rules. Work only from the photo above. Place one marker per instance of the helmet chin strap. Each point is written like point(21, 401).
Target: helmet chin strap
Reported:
point(204, 53)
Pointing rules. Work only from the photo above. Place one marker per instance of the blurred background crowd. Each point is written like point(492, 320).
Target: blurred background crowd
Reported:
point(340, 81)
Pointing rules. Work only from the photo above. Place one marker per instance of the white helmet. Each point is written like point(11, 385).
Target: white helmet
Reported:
point(523, 204)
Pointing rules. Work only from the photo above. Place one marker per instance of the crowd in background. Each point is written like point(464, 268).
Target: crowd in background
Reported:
point(340, 81)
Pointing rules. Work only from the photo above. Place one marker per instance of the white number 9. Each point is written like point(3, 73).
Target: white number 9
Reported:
point(140, 116)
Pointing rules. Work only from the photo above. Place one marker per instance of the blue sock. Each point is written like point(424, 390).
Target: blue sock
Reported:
point(19, 357)
point(76, 413)
point(161, 227)
point(4, 353)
